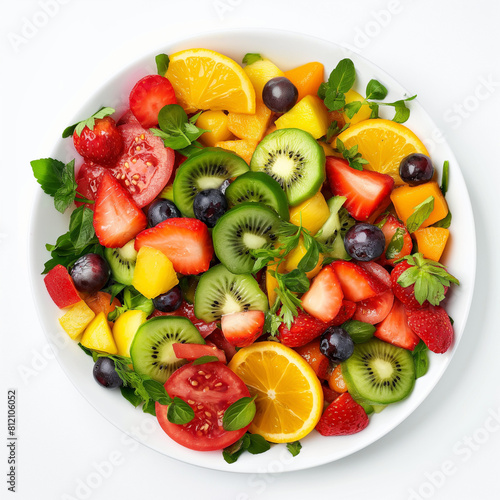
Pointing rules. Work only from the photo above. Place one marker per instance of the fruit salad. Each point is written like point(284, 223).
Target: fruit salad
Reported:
point(253, 254)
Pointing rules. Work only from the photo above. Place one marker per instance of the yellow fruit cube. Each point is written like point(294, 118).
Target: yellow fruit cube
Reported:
point(431, 241)
point(272, 283)
point(313, 213)
point(295, 256)
point(260, 72)
point(216, 123)
point(242, 147)
point(363, 113)
point(98, 337)
point(252, 127)
point(309, 114)
point(77, 319)
point(154, 273)
point(125, 328)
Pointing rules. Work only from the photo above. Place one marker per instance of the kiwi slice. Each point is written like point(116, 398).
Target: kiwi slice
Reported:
point(222, 292)
point(246, 227)
point(379, 373)
point(261, 188)
point(151, 350)
point(293, 158)
point(205, 170)
point(122, 262)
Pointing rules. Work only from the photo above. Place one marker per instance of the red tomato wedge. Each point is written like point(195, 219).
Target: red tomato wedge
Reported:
point(209, 389)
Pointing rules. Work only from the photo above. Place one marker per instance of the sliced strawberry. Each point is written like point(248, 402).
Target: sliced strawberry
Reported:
point(194, 351)
point(329, 396)
point(148, 96)
point(357, 283)
point(316, 359)
point(375, 309)
point(390, 225)
point(432, 324)
point(365, 190)
point(347, 310)
point(186, 242)
point(343, 417)
point(378, 271)
point(303, 329)
point(217, 338)
point(117, 219)
point(61, 288)
point(395, 328)
point(323, 300)
point(242, 328)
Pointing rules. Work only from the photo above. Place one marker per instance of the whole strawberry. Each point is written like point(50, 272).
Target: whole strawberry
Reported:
point(98, 140)
point(433, 326)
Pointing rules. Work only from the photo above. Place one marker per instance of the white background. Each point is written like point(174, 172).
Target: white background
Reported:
point(445, 51)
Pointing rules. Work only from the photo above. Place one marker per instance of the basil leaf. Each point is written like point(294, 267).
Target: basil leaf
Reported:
point(179, 412)
point(296, 281)
point(65, 195)
point(172, 118)
point(445, 223)
point(396, 244)
point(250, 58)
point(375, 90)
point(294, 448)
point(351, 108)
point(310, 260)
point(420, 359)
point(205, 359)
point(359, 331)
point(239, 414)
point(420, 214)
point(162, 62)
point(445, 178)
point(257, 444)
point(130, 395)
point(149, 407)
point(157, 392)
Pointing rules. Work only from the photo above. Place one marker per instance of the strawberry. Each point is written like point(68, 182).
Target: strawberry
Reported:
point(117, 219)
point(190, 351)
point(433, 326)
point(217, 338)
point(357, 283)
point(378, 271)
point(102, 143)
point(323, 300)
point(186, 242)
point(365, 191)
point(375, 309)
point(303, 329)
point(329, 396)
point(343, 417)
point(347, 310)
point(395, 329)
point(315, 358)
point(148, 96)
point(242, 328)
point(390, 225)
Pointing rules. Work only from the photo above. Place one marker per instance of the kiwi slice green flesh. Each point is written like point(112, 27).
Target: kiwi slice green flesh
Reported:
point(205, 170)
point(261, 188)
point(379, 373)
point(246, 227)
point(222, 292)
point(151, 350)
point(293, 158)
point(122, 262)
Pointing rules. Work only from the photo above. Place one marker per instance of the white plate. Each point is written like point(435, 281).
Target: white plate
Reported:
point(287, 50)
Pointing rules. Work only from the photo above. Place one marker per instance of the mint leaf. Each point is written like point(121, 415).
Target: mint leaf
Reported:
point(445, 177)
point(65, 195)
point(322, 90)
point(162, 62)
point(445, 223)
point(250, 58)
point(311, 257)
point(358, 330)
point(133, 299)
point(296, 281)
point(48, 173)
point(239, 414)
point(294, 448)
point(253, 443)
point(333, 129)
point(352, 108)
point(375, 108)
point(420, 359)
point(179, 412)
point(257, 444)
point(157, 392)
point(420, 214)
point(375, 90)
point(402, 112)
point(130, 395)
point(340, 81)
point(396, 244)
point(205, 359)
point(149, 407)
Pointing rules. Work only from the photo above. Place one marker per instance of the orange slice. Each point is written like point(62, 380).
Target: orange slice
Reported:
point(383, 143)
point(205, 79)
point(289, 395)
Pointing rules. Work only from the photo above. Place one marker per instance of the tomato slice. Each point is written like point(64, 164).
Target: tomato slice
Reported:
point(209, 389)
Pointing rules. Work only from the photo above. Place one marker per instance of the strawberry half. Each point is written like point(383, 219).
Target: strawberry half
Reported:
point(315, 358)
point(303, 329)
point(347, 310)
point(148, 96)
point(365, 190)
point(242, 328)
point(342, 417)
point(117, 219)
point(395, 328)
point(375, 309)
point(389, 226)
point(186, 242)
point(357, 283)
point(323, 300)
point(432, 324)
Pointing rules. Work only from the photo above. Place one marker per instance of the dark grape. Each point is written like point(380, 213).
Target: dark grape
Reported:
point(336, 344)
point(280, 94)
point(161, 210)
point(209, 205)
point(105, 374)
point(364, 242)
point(416, 169)
point(90, 273)
point(169, 301)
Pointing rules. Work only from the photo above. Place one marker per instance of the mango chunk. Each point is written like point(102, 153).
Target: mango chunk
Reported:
point(98, 337)
point(307, 78)
point(251, 127)
point(406, 198)
point(309, 114)
point(260, 72)
point(242, 147)
point(295, 256)
point(125, 328)
point(432, 241)
point(154, 273)
point(77, 319)
point(363, 113)
point(216, 123)
point(272, 283)
point(313, 212)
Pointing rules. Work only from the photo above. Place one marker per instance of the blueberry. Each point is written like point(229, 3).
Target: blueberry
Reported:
point(160, 210)
point(90, 273)
point(364, 242)
point(209, 205)
point(416, 169)
point(105, 373)
point(280, 94)
point(336, 344)
point(169, 301)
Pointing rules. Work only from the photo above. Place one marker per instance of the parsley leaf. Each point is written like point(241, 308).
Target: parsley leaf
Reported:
point(250, 58)
point(89, 122)
point(420, 214)
point(352, 155)
point(162, 62)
